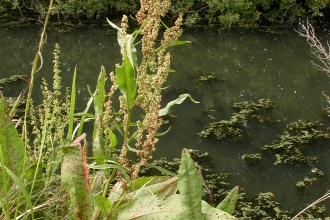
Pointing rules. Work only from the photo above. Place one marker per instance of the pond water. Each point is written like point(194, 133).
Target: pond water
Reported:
point(248, 64)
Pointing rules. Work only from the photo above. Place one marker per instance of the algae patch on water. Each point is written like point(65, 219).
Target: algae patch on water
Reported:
point(234, 126)
point(292, 143)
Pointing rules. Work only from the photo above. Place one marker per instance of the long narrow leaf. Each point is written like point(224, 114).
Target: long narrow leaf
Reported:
point(98, 141)
point(126, 81)
point(177, 101)
point(22, 189)
point(72, 104)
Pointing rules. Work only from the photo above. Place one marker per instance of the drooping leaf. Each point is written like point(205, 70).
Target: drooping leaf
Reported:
point(98, 141)
point(182, 97)
point(126, 81)
point(163, 170)
point(12, 147)
point(229, 203)
point(175, 43)
point(163, 133)
point(119, 33)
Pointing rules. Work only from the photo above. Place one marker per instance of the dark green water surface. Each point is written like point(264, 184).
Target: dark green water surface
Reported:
point(248, 64)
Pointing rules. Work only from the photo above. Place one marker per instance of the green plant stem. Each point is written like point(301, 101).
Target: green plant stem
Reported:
point(33, 71)
point(126, 129)
point(105, 189)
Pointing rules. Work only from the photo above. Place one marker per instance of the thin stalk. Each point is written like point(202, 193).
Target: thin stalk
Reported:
point(105, 189)
point(33, 71)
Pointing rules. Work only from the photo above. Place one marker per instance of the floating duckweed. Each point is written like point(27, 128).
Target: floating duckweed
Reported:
point(293, 141)
point(210, 76)
point(305, 183)
point(252, 158)
point(318, 172)
point(234, 127)
point(13, 78)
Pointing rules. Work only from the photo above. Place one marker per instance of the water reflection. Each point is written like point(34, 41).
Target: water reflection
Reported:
point(247, 64)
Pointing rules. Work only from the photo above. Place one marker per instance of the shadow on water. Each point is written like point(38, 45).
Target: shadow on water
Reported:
point(248, 65)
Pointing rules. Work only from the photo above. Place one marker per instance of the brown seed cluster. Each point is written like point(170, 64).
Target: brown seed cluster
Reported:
point(150, 76)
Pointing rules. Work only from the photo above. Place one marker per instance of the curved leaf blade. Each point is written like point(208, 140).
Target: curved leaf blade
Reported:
point(182, 97)
point(229, 203)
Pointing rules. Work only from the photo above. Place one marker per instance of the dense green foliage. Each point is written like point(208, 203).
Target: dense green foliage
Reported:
point(226, 12)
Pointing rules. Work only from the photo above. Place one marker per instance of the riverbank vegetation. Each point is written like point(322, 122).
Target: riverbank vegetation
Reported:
point(49, 171)
point(243, 13)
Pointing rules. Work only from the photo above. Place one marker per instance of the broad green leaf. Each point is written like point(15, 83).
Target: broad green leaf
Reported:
point(229, 203)
point(164, 111)
point(126, 82)
point(74, 178)
point(98, 141)
point(150, 207)
point(103, 204)
point(211, 213)
point(190, 186)
point(12, 147)
point(154, 204)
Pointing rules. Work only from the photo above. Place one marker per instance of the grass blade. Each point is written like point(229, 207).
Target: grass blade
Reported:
point(22, 189)
point(72, 105)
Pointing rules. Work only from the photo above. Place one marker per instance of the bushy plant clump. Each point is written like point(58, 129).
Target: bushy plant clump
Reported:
point(244, 13)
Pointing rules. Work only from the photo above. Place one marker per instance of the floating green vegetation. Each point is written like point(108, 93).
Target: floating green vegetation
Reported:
point(13, 78)
point(263, 206)
point(209, 77)
point(252, 158)
point(318, 172)
point(293, 141)
point(305, 183)
point(234, 127)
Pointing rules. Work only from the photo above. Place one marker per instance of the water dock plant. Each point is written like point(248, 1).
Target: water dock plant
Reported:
point(47, 167)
